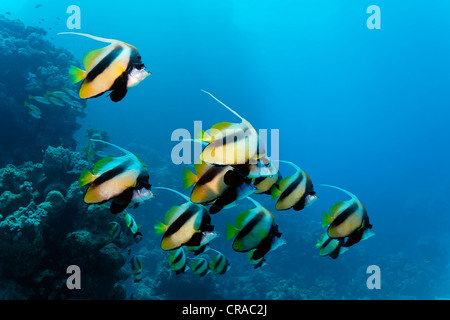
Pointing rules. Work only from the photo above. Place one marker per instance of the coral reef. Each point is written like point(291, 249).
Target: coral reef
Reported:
point(43, 232)
point(32, 66)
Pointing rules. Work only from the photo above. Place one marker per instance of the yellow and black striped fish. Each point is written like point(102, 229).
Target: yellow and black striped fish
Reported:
point(115, 68)
point(217, 185)
point(295, 191)
point(188, 224)
point(200, 267)
point(232, 143)
point(114, 177)
point(219, 264)
point(347, 219)
point(177, 260)
point(330, 247)
point(256, 228)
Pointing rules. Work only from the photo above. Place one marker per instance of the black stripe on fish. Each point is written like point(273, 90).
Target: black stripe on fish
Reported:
point(110, 174)
point(309, 190)
point(250, 225)
point(345, 214)
point(181, 220)
point(178, 257)
point(104, 64)
point(291, 188)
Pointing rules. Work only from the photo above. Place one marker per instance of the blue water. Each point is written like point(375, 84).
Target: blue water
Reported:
point(363, 109)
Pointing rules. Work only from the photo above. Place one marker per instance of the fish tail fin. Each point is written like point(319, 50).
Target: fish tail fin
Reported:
point(231, 231)
point(275, 192)
point(189, 178)
point(90, 36)
point(223, 104)
point(160, 228)
point(326, 219)
point(321, 240)
point(85, 178)
point(343, 190)
point(76, 74)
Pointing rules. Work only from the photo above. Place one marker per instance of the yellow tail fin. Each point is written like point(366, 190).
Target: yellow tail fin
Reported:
point(85, 178)
point(76, 74)
point(189, 178)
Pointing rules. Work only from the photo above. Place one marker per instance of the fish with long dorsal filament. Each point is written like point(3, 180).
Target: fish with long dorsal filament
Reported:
point(116, 68)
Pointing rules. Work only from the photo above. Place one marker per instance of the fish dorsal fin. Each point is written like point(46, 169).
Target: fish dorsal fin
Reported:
point(201, 167)
point(170, 214)
point(256, 203)
point(113, 145)
point(101, 164)
point(335, 208)
point(234, 112)
point(343, 190)
point(283, 184)
point(290, 163)
point(220, 126)
point(91, 37)
point(242, 217)
point(174, 191)
point(90, 57)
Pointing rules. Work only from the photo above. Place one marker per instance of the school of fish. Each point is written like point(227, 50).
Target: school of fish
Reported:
point(233, 166)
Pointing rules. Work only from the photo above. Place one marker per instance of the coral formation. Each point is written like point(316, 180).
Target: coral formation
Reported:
point(33, 66)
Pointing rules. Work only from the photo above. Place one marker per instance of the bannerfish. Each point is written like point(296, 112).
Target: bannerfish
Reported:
point(115, 230)
point(330, 247)
point(132, 225)
point(112, 176)
point(116, 67)
point(256, 228)
point(188, 224)
point(219, 264)
point(137, 265)
point(232, 143)
point(211, 181)
point(200, 267)
point(347, 219)
point(178, 262)
point(264, 184)
point(295, 191)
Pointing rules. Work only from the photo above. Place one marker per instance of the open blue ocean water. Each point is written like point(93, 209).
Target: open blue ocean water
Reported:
point(363, 109)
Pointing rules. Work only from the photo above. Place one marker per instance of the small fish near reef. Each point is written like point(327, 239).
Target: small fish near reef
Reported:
point(347, 220)
point(121, 179)
point(116, 68)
